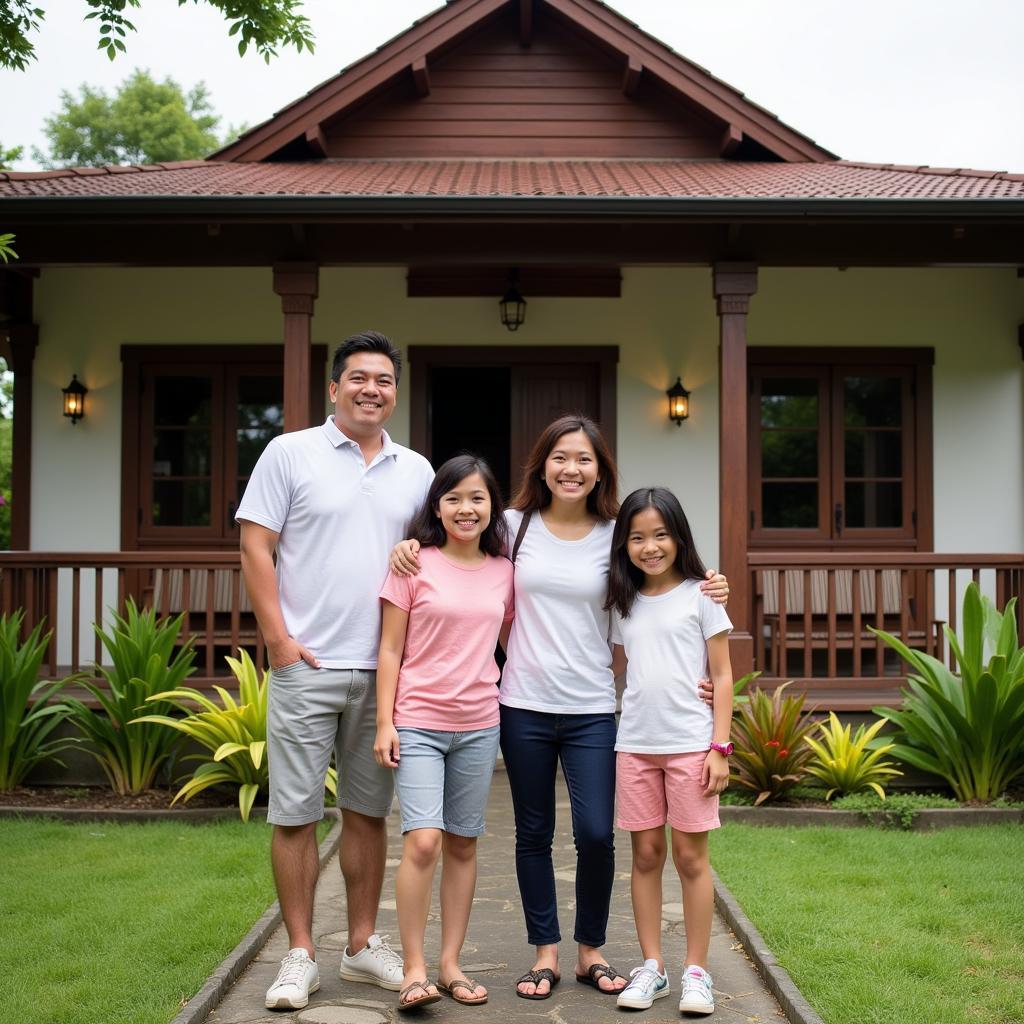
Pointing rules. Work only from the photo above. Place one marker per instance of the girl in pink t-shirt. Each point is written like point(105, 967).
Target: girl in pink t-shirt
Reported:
point(437, 710)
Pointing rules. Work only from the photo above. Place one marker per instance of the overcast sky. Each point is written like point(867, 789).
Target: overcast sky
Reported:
point(936, 82)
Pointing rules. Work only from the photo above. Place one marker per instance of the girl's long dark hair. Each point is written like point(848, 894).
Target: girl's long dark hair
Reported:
point(624, 578)
point(534, 494)
point(428, 529)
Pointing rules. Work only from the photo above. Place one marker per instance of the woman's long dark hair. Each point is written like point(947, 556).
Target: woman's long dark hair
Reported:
point(428, 529)
point(534, 493)
point(624, 578)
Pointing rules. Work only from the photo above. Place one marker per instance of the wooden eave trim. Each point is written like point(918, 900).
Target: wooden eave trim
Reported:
point(355, 83)
point(689, 80)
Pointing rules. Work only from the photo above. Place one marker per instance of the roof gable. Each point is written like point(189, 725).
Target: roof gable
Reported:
point(524, 78)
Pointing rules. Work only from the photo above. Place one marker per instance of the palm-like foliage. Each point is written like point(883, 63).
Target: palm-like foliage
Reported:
point(845, 762)
point(142, 650)
point(969, 729)
point(26, 717)
point(769, 733)
point(235, 733)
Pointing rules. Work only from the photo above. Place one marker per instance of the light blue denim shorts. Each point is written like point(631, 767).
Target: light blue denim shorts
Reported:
point(443, 778)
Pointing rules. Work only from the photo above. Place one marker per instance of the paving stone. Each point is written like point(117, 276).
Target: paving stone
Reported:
point(340, 1015)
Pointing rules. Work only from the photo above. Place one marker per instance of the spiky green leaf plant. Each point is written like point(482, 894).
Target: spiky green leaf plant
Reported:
point(845, 762)
point(234, 732)
point(144, 663)
point(967, 729)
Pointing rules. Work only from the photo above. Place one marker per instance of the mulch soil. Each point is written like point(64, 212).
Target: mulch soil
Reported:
point(98, 798)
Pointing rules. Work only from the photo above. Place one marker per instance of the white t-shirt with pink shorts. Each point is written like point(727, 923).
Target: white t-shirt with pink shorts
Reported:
point(448, 674)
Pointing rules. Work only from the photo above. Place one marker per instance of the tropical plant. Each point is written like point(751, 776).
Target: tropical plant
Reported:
point(769, 732)
point(847, 764)
point(740, 685)
point(27, 718)
point(967, 729)
point(144, 663)
point(235, 732)
point(6, 251)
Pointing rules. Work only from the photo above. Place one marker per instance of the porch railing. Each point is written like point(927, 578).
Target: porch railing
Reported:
point(72, 590)
point(813, 610)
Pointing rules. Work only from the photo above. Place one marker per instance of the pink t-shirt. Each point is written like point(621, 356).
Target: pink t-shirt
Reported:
point(448, 671)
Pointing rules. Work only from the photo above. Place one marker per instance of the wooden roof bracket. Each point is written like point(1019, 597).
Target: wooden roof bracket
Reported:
point(525, 22)
point(732, 136)
point(631, 76)
point(420, 76)
point(316, 140)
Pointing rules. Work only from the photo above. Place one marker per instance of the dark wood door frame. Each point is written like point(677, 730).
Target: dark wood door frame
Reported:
point(423, 358)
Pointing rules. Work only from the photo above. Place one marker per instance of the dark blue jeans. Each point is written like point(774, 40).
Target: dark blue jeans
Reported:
point(532, 744)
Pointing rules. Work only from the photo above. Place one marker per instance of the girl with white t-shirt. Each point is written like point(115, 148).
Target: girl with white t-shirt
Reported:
point(672, 749)
point(437, 711)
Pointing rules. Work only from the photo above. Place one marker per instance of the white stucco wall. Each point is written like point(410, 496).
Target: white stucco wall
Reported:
point(664, 325)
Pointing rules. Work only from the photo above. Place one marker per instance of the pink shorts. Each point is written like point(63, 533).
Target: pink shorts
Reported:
point(652, 789)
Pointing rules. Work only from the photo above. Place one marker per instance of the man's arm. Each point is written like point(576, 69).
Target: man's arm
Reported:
point(257, 549)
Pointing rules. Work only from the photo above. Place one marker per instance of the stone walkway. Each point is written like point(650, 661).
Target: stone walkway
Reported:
point(496, 949)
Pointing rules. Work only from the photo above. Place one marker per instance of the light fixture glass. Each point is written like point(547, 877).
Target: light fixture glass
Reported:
point(512, 306)
point(678, 402)
point(74, 399)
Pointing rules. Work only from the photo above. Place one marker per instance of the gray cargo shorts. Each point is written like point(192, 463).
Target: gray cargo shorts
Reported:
point(312, 711)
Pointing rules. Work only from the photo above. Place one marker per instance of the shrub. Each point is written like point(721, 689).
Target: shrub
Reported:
point(968, 730)
point(847, 764)
point(144, 663)
point(26, 717)
point(769, 733)
point(235, 733)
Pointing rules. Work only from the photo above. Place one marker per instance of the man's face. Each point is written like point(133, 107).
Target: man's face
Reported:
point(364, 396)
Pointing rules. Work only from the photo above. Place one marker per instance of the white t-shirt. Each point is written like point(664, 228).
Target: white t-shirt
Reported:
point(665, 638)
point(559, 659)
point(338, 520)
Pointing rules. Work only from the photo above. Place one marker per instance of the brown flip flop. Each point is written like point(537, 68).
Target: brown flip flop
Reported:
point(536, 977)
point(462, 983)
point(411, 1004)
point(597, 971)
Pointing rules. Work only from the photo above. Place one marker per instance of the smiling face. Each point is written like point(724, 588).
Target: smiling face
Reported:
point(651, 547)
point(365, 394)
point(570, 470)
point(465, 510)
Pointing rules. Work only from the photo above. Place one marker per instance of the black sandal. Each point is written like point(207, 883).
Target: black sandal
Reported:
point(597, 971)
point(536, 977)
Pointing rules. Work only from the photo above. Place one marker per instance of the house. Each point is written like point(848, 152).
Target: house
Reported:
point(849, 333)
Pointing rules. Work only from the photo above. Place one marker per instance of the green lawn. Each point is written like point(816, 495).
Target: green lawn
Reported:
point(119, 923)
point(888, 927)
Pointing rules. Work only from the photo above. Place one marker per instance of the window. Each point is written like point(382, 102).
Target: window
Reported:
point(840, 447)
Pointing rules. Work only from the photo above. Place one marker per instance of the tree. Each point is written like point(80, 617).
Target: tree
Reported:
point(144, 122)
point(8, 156)
point(262, 24)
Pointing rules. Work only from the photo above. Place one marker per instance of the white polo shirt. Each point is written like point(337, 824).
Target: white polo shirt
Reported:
point(338, 520)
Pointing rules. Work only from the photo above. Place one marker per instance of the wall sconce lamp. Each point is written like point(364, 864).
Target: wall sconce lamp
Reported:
point(513, 306)
point(74, 399)
point(678, 402)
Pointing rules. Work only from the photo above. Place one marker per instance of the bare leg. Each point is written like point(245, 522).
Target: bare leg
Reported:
point(362, 852)
point(690, 855)
point(413, 883)
point(649, 852)
point(458, 884)
point(296, 868)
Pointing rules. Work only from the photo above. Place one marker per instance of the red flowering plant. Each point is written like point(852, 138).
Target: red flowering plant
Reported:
point(770, 733)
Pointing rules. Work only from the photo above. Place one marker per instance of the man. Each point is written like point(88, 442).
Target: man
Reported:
point(331, 502)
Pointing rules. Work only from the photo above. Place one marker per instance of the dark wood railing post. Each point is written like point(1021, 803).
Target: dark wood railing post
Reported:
point(298, 285)
point(733, 284)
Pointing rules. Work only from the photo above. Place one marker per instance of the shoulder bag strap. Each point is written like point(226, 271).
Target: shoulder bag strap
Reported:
point(520, 534)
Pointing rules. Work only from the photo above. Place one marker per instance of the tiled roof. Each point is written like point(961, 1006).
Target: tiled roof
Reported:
point(519, 178)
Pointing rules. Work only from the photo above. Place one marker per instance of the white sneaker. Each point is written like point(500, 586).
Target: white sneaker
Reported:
point(697, 996)
point(646, 984)
point(298, 977)
point(378, 965)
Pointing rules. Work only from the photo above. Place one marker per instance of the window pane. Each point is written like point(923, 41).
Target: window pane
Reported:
point(872, 401)
point(182, 401)
point(260, 417)
point(789, 403)
point(789, 506)
point(874, 453)
point(181, 503)
point(181, 453)
point(789, 453)
point(872, 504)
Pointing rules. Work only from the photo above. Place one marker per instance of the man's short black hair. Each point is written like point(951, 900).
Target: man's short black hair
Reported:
point(366, 341)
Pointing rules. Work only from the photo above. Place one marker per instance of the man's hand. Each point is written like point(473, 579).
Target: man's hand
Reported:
point(404, 560)
point(714, 775)
point(288, 652)
point(385, 746)
point(706, 692)
point(716, 586)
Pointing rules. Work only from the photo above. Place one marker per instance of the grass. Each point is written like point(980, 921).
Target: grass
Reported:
point(119, 923)
point(884, 927)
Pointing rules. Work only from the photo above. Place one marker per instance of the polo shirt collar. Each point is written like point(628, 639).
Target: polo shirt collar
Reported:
point(337, 438)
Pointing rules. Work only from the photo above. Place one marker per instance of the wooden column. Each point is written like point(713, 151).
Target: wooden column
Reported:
point(297, 284)
point(733, 285)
